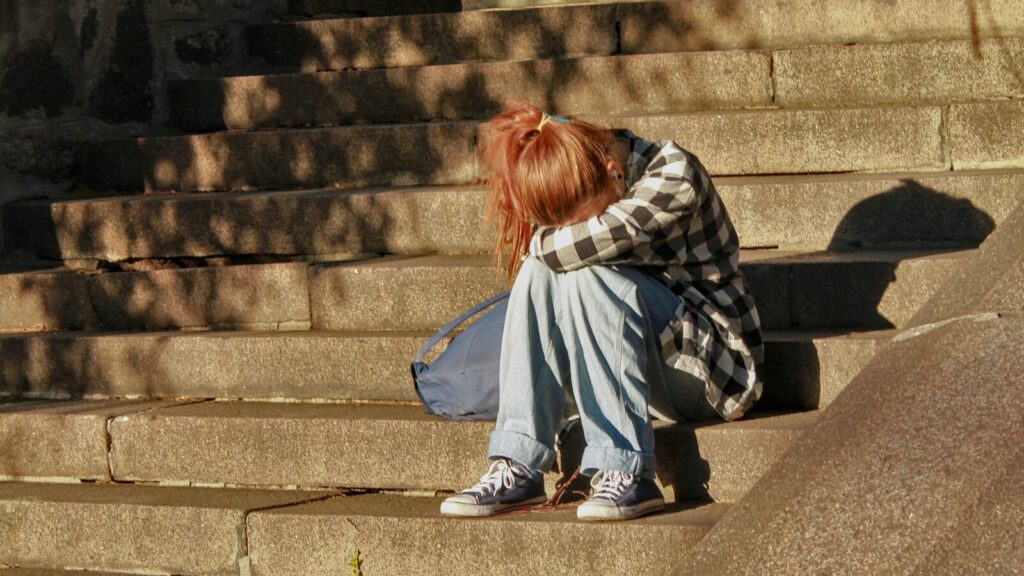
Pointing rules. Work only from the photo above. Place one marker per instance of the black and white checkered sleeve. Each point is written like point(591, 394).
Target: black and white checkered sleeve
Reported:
point(658, 207)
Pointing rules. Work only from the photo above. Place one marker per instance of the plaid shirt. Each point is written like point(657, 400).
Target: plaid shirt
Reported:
point(672, 224)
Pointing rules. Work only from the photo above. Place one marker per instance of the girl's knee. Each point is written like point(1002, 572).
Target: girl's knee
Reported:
point(597, 282)
point(534, 278)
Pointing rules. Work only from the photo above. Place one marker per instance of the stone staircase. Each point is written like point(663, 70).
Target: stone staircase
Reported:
point(205, 359)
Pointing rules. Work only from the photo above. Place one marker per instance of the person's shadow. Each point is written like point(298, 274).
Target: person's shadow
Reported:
point(909, 217)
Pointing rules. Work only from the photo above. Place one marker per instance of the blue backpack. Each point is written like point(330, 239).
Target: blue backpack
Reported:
point(462, 383)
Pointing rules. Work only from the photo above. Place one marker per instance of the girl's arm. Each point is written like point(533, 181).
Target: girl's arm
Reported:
point(657, 210)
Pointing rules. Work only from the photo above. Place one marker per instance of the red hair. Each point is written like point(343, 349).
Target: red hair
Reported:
point(538, 173)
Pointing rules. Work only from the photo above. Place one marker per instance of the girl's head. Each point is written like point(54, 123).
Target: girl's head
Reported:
point(544, 170)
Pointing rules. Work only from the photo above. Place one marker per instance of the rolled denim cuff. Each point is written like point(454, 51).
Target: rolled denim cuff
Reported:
point(521, 448)
point(627, 461)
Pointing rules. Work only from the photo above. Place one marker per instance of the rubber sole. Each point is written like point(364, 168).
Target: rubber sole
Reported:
point(594, 512)
point(467, 510)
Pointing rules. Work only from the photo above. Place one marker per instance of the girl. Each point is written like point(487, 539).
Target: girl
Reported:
point(627, 295)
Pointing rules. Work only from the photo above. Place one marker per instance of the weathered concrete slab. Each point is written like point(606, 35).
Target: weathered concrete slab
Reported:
point(609, 85)
point(314, 539)
point(292, 365)
point(395, 7)
point(880, 211)
point(364, 9)
point(803, 370)
point(400, 293)
point(646, 27)
point(341, 158)
point(802, 141)
point(866, 288)
point(986, 541)
point(890, 478)
point(44, 300)
point(808, 370)
point(265, 296)
point(930, 72)
point(987, 135)
point(288, 223)
point(813, 290)
point(841, 211)
point(990, 283)
point(380, 446)
point(48, 572)
point(915, 467)
point(674, 26)
point(262, 297)
point(437, 38)
point(60, 439)
point(129, 528)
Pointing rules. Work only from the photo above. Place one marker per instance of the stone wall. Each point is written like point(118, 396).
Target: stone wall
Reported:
point(77, 70)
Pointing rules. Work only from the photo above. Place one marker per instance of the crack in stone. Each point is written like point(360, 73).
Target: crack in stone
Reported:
point(926, 328)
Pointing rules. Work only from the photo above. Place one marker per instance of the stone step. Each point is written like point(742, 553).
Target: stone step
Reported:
point(364, 8)
point(49, 572)
point(826, 290)
point(400, 447)
point(437, 38)
point(128, 528)
point(46, 439)
point(316, 539)
point(928, 72)
point(924, 138)
point(600, 85)
point(628, 28)
point(281, 533)
point(803, 370)
point(244, 297)
point(817, 212)
point(793, 290)
point(819, 76)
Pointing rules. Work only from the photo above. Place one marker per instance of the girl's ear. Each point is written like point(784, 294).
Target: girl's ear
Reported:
point(614, 170)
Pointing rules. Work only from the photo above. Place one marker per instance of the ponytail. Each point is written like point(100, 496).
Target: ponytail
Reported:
point(539, 169)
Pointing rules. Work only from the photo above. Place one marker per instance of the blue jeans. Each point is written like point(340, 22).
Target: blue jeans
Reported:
point(591, 337)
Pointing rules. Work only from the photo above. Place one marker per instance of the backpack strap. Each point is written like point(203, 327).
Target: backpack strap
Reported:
point(447, 328)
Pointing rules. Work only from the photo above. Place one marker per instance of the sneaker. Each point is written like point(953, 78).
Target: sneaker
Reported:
point(505, 486)
point(619, 496)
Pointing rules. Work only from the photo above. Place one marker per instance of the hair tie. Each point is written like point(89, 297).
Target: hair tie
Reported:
point(545, 118)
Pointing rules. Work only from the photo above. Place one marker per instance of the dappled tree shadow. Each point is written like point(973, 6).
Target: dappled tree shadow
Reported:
point(250, 225)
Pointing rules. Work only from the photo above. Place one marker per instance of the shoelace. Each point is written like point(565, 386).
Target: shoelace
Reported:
point(610, 484)
point(500, 473)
